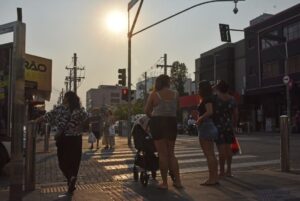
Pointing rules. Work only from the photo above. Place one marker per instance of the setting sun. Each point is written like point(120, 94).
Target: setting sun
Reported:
point(116, 21)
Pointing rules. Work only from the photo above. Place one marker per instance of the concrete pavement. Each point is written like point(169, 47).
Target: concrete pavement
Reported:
point(96, 184)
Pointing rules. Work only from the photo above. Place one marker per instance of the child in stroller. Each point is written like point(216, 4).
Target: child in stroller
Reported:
point(145, 158)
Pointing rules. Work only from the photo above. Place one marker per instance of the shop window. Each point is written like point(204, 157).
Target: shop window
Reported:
point(294, 64)
point(267, 43)
point(292, 31)
point(271, 70)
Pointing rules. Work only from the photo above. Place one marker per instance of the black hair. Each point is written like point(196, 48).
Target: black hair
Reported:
point(222, 86)
point(161, 82)
point(73, 100)
point(205, 89)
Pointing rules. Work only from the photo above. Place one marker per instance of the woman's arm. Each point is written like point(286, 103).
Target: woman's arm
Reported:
point(208, 113)
point(149, 105)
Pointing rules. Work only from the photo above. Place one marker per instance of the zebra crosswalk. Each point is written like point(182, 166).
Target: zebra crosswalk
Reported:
point(120, 162)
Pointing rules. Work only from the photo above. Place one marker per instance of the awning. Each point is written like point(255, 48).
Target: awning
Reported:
point(189, 101)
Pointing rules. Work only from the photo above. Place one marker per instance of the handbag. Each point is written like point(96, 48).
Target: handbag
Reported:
point(235, 146)
point(91, 138)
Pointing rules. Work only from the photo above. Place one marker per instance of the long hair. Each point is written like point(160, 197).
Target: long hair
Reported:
point(205, 89)
point(161, 82)
point(73, 100)
point(222, 86)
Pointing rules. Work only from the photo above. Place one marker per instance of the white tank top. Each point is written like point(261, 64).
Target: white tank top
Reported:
point(165, 108)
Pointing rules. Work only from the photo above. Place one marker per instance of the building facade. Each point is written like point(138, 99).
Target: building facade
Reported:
point(226, 62)
point(266, 54)
point(104, 95)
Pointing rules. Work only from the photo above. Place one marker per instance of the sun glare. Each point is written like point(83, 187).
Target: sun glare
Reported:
point(116, 21)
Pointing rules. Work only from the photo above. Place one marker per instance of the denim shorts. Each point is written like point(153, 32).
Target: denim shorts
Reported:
point(207, 130)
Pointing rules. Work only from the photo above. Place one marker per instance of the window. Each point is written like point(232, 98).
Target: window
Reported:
point(115, 95)
point(271, 70)
point(294, 64)
point(292, 31)
point(267, 43)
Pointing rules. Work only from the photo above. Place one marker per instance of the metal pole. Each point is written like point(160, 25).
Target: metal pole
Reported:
point(16, 112)
point(288, 101)
point(165, 64)
point(129, 90)
point(75, 73)
point(284, 143)
point(46, 140)
point(145, 88)
point(30, 157)
point(215, 69)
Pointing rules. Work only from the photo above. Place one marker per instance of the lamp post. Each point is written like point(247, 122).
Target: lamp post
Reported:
point(130, 34)
point(215, 68)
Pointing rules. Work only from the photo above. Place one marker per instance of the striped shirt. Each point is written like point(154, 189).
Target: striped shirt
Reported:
point(65, 121)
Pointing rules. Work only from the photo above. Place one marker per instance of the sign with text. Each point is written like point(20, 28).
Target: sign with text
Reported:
point(39, 70)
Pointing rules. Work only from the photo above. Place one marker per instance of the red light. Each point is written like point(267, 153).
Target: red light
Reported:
point(124, 91)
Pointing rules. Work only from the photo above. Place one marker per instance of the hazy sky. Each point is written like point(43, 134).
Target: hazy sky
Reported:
point(57, 29)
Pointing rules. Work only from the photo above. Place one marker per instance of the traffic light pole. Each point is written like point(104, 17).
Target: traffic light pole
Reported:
point(131, 34)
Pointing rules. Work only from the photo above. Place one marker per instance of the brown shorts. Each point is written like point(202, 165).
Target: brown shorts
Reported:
point(163, 128)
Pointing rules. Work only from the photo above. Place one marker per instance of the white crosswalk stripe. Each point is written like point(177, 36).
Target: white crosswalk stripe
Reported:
point(120, 162)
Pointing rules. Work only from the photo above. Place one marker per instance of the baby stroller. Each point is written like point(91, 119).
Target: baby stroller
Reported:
point(145, 158)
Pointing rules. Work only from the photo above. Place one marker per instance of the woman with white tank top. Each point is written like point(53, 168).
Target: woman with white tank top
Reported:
point(161, 107)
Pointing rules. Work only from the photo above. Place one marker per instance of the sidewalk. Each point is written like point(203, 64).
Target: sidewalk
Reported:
point(268, 184)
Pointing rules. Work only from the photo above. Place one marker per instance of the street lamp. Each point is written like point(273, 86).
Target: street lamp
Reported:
point(131, 34)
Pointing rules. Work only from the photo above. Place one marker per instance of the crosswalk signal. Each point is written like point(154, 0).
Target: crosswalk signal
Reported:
point(225, 32)
point(122, 76)
point(124, 94)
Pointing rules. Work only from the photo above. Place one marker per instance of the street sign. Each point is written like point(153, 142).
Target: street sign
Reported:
point(132, 3)
point(286, 79)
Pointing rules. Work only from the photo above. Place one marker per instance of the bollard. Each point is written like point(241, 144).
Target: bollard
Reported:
point(46, 140)
point(30, 157)
point(284, 143)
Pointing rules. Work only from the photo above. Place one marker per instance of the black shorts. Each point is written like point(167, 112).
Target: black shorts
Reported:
point(163, 128)
point(97, 134)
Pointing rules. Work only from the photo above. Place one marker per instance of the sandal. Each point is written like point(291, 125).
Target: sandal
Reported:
point(209, 183)
point(162, 187)
point(178, 186)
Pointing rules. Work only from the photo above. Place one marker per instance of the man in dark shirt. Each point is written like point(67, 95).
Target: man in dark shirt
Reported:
point(96, 126)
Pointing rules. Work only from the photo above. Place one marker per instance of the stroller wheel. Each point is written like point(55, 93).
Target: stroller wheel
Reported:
point(144, 177)
point(172, 175)
point(135, 174)
point(153, 174)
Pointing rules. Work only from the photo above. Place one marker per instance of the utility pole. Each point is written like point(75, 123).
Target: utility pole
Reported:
point(165, 66)
point(74, 78)
point(145, 88)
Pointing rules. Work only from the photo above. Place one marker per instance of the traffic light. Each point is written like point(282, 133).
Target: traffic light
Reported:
point(122, 76)
point(124, 94)
point(225, 32)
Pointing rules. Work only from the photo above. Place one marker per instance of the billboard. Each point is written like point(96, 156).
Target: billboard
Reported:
point(38, 75)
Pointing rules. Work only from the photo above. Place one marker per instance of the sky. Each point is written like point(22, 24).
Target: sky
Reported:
point(57, 29)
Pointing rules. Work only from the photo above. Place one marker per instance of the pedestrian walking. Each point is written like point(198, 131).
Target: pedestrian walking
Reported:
point(95, 122)
point(108, 139)
point(68, 118)
point(161, 107)
point(111, 129)
point(225, 118)
point(207, 131)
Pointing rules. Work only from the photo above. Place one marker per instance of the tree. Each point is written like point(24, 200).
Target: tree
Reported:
point(179, 76)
